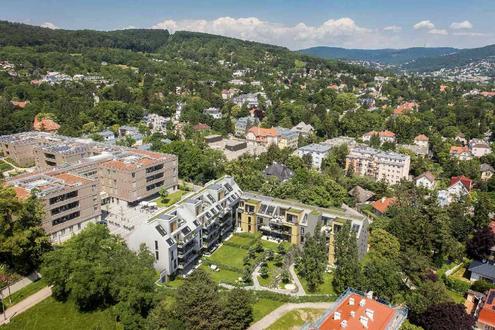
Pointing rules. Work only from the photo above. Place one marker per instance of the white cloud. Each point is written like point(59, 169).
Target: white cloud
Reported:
point(343, 31)
point(49, 25)
point(470, 34)
point(461, 25)
point(393, 28)
point(424, 25)
point(442, 32)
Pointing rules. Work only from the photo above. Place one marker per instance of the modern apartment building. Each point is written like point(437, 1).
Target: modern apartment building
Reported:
point(318, 152)
point(178, 235)
point(291, 221)
point(133, 175)
point(19, 147)
point(389, 166)
point(70, 201)
point(59, 154)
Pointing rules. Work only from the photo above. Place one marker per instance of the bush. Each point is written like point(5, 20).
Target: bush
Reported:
point(482, 286)
point(264, 271)
point(456, 285)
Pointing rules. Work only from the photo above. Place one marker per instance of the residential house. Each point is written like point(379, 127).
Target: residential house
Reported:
point(426, 180)
point(45, 124)
point(303, 129)
point(384, 136)
point(460, 153)
point(459, 187)
point(279, 171)
point(479, 148)
point(227, 94)
point(133, 132)
point(19, 105)
point(486, 171)
point(485, 315)
point(389, 166)
point(355, 310)
point(341, 140)
point(215, 113)
point(360, 194)
point(291, 221)
point(381, 206)
point(482, 271)
point(262, 136)
point(318, 152)
point(156, 123)
point(287, 138)
point(107, 136)
point(405, 108)
point(422, 141)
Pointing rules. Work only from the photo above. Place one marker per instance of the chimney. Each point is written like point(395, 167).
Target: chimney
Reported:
point(369, 295)
point(362, 302)
point(364, 321)
point(353, 314)
point(383, 199)
point(343, 324)
point(336, 316)
point(351, 301)
point(369, 313)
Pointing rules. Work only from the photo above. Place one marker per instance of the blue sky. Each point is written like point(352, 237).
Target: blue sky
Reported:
point(291, 23)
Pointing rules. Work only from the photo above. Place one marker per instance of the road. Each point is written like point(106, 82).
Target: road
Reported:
point(25, 304)
point(271, 318)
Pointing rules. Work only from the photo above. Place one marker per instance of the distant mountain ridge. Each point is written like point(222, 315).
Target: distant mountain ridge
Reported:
point(417, 59)
point(382, 56)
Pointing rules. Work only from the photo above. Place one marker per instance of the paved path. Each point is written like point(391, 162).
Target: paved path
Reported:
point(271, 318)
point(25, 304)
point(25, 281)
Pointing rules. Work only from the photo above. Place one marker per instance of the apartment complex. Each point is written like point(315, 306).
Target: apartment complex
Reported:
point(70, 201)
point(178, 235)
point(134, 174)
point(68, 165)
point(291, 221)
point(318, 152)
point(389, 166)
point(357, 310)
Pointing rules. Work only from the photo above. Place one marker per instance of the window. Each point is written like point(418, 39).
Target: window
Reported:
point(157, 255)
point(65, 218)
point(156, 245)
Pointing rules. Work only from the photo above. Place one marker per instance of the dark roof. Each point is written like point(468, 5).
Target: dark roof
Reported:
point(486, 168)
point(360, 194)
point(484, 269)
point(279, 171)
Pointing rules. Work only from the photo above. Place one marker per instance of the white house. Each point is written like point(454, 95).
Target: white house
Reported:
point(426, 180)
point(318, 152)
point(303, 129)
point(479, 148)
point(215, 113)
point(384, 136)
point(451, 194)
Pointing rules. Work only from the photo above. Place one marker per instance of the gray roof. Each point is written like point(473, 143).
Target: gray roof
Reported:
point(486, 270)
point(317, 148)
point(279, 171)
point(361, 194)
point(486, 168)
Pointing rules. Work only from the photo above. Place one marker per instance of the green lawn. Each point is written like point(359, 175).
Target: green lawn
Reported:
point(458, 298)
point(171, 198)
point(223, 275)
point(273, 271)
point(178, 281)
point(50, 314)
point(461, 274)
point(325, 288)
point(25, 292)
point(296, 319)
point(229, 255)
point(243, 240)
point(4, 166)
point(263, 306)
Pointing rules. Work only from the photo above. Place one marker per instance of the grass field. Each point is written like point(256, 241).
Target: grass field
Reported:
point(51, 314)
point(4, 166)
point(24, 292)
point(246, 241)
point(229, 255)
point(223, 275)
point(458, 298)
point(263, 306)
point(297, 318)
point(170, 199)
point(325, 288)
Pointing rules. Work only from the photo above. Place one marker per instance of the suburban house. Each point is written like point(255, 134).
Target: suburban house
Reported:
point(262, 136)
point(389, 166)
point(107, 136)
point(318, 152)
point(287, 138)
point(460, 152)
point(303, 129)
point(45, 124)
point(459, 187)
point(291, 221)
point(384, 136)
point(381, 206)
point(279, 171)
point(485, 314)
point(486, 171)
point(360, 194)
point(422, 141)
point(215, 113)
point(479, 148)
point(482, 271)
point(405, 108)
point(355, 310)
point(156, 123)
point(426, 180)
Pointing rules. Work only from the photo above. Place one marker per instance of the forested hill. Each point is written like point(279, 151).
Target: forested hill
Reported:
point(458, 59)
point(383, 56)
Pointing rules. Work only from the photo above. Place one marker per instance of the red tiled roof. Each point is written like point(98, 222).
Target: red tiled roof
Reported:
point(458, 149)
point(382, 314)
point(488, 94)
point(21, 193)
point(258, 131)
point(421, 137)
point(381, 134)
point(467, 182)
point(383, 204)
point(45, 124)
point(201, 127)
point(71, 179)
point(405, 108)
point(487, 313)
